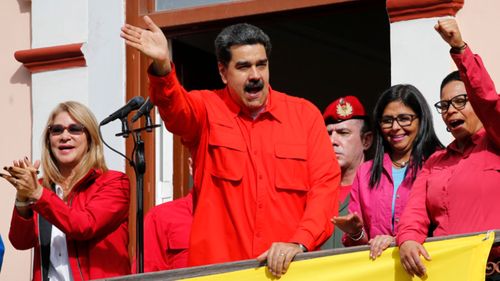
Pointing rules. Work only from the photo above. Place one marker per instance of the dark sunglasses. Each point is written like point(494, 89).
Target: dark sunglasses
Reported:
point(73, 129)
point(404, 120)
point(458, 103)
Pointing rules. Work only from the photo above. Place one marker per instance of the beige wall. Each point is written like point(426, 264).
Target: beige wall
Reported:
point(479, 22)
point(478, 19)
point(420, 57)
point(15, 115)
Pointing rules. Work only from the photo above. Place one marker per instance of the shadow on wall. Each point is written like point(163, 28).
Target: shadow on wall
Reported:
point(21, 76)
point(24, 6)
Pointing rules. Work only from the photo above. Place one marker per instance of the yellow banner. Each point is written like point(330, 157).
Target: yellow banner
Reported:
point(454, 259)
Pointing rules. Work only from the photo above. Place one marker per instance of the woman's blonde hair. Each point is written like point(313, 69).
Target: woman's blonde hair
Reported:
point(94, 158)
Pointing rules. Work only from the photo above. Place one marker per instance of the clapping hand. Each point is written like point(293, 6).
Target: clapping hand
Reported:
point(23, 176)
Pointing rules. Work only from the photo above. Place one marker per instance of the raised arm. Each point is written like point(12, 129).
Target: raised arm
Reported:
point(480, 88)
point(151, 42)
point(181, 114)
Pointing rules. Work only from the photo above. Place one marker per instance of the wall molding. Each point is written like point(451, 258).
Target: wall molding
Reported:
point(402, 10)
point(52, 58)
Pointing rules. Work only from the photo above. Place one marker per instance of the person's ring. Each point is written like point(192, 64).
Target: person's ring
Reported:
point(282, 254)
point(15, 181)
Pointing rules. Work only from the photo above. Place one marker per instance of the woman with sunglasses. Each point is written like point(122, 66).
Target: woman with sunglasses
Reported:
point(403, 140)
point(457, 190)
point(76, 216)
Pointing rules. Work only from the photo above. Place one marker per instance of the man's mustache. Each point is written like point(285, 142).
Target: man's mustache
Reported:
point(254, 86)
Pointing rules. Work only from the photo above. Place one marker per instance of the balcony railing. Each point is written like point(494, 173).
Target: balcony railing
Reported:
point(492, 269)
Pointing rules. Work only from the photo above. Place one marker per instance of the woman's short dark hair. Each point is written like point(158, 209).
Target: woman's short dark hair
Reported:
point(239, 34)
point(454, 76)
point(426, 141)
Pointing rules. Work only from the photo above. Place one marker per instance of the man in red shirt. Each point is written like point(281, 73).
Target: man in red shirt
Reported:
point(265, 176)
point(167, 228)
point(166, 235)
point(347, 124)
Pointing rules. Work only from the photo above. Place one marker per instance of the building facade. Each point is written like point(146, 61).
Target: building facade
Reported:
point(323, 49)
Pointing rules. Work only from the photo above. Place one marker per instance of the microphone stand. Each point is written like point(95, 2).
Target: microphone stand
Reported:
point(139, 165)
point(139, 169)
point(125, 130)
point(138, 162)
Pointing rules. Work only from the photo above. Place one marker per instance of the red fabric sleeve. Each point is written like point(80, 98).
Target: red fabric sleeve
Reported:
point(322, 199)
point(481, 91)
point(22, 233)
point(155, 244)
point(103, 213)
point(182, 112)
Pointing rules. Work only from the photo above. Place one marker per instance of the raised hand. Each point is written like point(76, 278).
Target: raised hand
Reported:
point(151, 42)
point(449, 31)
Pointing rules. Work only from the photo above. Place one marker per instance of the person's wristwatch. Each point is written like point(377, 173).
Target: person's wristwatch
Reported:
point(458, 50)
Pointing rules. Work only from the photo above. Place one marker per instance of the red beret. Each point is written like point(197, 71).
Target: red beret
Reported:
point(344, 108)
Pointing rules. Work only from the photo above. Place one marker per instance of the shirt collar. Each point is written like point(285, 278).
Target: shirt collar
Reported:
point(475, 139)
point(231, 104)
point(478, 136)
point(91, 175)
point(274, 105)
point(387, 163)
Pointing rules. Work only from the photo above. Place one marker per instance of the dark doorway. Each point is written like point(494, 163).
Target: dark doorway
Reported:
point(319, 54)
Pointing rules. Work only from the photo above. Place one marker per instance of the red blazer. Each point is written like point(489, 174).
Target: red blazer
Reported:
point(94, 219)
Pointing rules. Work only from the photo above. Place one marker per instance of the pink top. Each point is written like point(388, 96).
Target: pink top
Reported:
point(374, 205)
point(458, 192)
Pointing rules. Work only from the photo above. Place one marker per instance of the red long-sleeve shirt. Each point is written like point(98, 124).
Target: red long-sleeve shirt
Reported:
point(166, 235)
point(457, 192)
point(272, 179)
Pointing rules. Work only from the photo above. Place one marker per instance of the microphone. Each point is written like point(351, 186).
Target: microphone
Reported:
point(132, 104)
point(143, 110)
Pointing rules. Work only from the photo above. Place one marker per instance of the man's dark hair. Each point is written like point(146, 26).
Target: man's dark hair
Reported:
point(366, 126)
point(454, 76)
point(239, 34)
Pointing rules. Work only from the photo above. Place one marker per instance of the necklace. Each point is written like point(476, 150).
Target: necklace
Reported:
point(401, 164)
